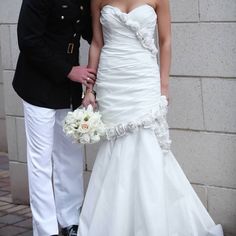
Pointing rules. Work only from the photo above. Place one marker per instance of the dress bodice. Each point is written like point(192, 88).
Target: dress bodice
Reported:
point(127, 58)
point(135, 28)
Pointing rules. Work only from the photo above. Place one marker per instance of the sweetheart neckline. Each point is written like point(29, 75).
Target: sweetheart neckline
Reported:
point(128, 13)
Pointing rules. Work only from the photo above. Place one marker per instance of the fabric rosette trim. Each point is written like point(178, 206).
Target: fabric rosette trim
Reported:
point(84, 125)
point(155, 120)
point(142, 34)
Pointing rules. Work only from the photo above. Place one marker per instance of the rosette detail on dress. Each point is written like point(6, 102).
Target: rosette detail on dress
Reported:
point(142, 34)
point(155, 120)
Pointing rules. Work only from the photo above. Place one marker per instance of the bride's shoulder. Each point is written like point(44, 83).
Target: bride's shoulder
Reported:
point(153, 4)
point(160, 3)
point(97, 2)
point(103, 3)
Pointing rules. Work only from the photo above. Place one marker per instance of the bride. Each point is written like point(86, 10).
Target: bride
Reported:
point(137, 187)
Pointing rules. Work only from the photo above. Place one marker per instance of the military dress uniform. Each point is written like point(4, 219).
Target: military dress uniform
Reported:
point(49, 32)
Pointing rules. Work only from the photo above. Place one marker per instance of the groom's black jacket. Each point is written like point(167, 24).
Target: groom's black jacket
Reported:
point(49, 32)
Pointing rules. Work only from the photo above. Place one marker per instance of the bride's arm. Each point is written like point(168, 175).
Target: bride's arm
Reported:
point(97, 41)
point(95, 48)
point(164, 32)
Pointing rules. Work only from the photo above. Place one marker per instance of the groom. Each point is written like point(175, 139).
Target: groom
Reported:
point(49, 80)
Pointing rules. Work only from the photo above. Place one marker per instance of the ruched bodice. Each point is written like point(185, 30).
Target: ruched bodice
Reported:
point(125, 28)
point(128, 64)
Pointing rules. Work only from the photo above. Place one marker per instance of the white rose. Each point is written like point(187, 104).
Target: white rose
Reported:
point(85, 138)
point(84, 127)
point(95, 138)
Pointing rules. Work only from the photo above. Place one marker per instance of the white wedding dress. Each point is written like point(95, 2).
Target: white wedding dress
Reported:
point(137, 187)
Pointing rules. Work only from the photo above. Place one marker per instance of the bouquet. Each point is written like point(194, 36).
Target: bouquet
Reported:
point(84, 125)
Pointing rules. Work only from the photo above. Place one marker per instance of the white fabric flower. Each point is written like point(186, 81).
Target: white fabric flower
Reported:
point(142, 34)
point(155, 120)
point(123, 17)
point(131, 127)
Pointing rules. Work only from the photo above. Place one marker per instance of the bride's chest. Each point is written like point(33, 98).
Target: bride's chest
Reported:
point(140, 17)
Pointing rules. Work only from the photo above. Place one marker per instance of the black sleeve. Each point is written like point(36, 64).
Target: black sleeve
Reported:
point(31, 29)
point(87, 32)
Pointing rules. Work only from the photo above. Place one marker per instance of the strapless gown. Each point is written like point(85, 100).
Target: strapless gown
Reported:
point(137, 187)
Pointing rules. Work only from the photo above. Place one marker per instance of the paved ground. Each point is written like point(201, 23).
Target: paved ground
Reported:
point(14, 219)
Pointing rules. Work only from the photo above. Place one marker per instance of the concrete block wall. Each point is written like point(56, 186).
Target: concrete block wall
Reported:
point(14, 121)
point(202, 111)
point(9, 11)
point(3, 138)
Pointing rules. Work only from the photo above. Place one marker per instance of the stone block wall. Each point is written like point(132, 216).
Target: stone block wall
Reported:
point(3, 139)
point(202, 111)
point(13, 117)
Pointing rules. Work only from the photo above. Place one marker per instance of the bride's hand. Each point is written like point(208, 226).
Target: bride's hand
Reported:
point(165, 92)
point(89, 98)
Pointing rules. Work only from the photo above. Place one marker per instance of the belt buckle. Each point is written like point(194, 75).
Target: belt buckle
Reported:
point(70, 48)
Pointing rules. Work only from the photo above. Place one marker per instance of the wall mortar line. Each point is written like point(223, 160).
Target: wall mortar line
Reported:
point(213, 186)
point(203, 131)
point(201, 76)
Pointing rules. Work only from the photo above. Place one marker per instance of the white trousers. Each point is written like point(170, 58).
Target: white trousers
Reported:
point(55, 170)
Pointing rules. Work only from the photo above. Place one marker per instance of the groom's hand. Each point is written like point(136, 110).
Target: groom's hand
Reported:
point(83, 75)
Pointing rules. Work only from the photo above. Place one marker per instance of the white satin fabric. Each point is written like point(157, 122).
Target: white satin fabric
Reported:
point(137, 187)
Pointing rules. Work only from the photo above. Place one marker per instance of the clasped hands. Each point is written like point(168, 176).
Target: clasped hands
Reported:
point(83, 75)
point(87, 77)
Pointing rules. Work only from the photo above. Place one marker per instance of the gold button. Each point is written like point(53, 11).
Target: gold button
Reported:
point(62, 17)
point(81, 8)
